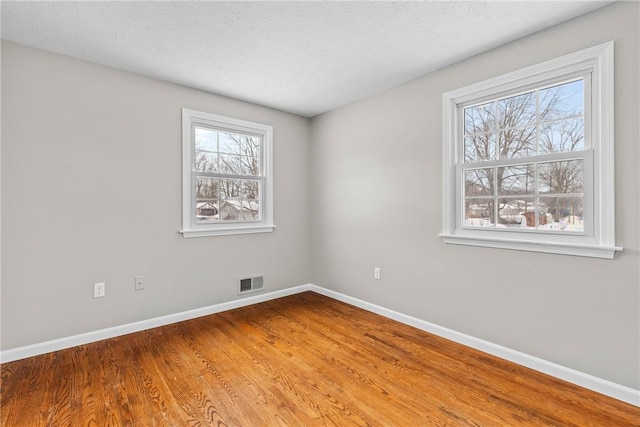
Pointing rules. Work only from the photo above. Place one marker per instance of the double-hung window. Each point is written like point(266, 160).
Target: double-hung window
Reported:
point(227, 185)
point(528, 158)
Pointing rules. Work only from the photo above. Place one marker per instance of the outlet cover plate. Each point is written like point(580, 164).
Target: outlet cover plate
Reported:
point(98, 290)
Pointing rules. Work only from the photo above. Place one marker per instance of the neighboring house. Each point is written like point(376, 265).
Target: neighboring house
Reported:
point(229, 210)
point(206, 209)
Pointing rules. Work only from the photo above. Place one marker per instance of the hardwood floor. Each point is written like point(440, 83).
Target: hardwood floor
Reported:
point(304, 360)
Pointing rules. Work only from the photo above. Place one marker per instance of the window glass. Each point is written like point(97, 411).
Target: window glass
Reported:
point(538, 122)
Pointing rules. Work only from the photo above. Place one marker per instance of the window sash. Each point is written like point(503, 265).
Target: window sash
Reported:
point(588, 218)
point(219, 175)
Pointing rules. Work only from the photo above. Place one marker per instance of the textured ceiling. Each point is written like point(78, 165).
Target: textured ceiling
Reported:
point(301, 57)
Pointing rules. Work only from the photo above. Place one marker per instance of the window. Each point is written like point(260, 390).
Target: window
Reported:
point(528, 158)
point(226, 178)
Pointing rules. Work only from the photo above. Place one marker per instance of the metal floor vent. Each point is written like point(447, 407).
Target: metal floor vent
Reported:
point(249, 284)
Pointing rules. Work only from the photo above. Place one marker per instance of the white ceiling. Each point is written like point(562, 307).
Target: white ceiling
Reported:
point(301, 57)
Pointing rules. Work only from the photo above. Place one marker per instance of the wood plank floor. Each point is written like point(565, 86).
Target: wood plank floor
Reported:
point(303, 360)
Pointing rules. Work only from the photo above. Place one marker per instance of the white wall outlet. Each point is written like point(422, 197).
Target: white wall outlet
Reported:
point(139, 283)
point(98, 290)
point(376, 273)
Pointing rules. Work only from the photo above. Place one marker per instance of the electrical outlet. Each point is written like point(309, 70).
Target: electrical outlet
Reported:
point(139, 283)
point(98, 290)
point(376, 273)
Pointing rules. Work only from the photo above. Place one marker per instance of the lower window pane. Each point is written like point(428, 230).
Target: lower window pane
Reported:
point(250, 210)
point(251, 190)
point(561, 177)
point(206, 211)
point(516, 212)
point(229, 210)
point(237, 210)
point(230, 188)
point(206, 188)
point(562, 213)
point(478, 182)
point(516, 180)
point(478, 213)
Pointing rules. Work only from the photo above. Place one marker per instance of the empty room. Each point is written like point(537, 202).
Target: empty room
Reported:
point(419, 213)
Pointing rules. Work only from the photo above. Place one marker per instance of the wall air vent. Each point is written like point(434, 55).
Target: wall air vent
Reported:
point(248, 284)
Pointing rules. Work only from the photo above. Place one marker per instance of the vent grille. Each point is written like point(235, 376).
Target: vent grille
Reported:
point(250, 284)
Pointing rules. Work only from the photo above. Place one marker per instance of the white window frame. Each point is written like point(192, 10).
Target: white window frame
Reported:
point(190, 228)
point(598, 239)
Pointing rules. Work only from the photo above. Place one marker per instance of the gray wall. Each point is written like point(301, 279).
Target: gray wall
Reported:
point(91, 192)
point(376, 201)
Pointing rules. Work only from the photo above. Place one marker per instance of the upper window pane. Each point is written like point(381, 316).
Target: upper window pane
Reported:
point(562, 136)
point(249, 145)
point(206, 162)
point(250, 166)
point(561, 101)
point(229, 143)
point(206, 140)
point(517, 142)
point(548, 120)
point(226, 152)
point(479, 147)
point(480, 119)
point(517, 110)
point(230, 164)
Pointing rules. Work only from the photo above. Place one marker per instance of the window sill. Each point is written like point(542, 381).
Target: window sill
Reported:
point(227, 231)
point(593, 251)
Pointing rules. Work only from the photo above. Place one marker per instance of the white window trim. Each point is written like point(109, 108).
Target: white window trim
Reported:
point(598, 61)
point(189, 229)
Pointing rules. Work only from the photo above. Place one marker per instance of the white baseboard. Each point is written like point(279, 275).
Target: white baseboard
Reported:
point(608, 388)
point(116, 331)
